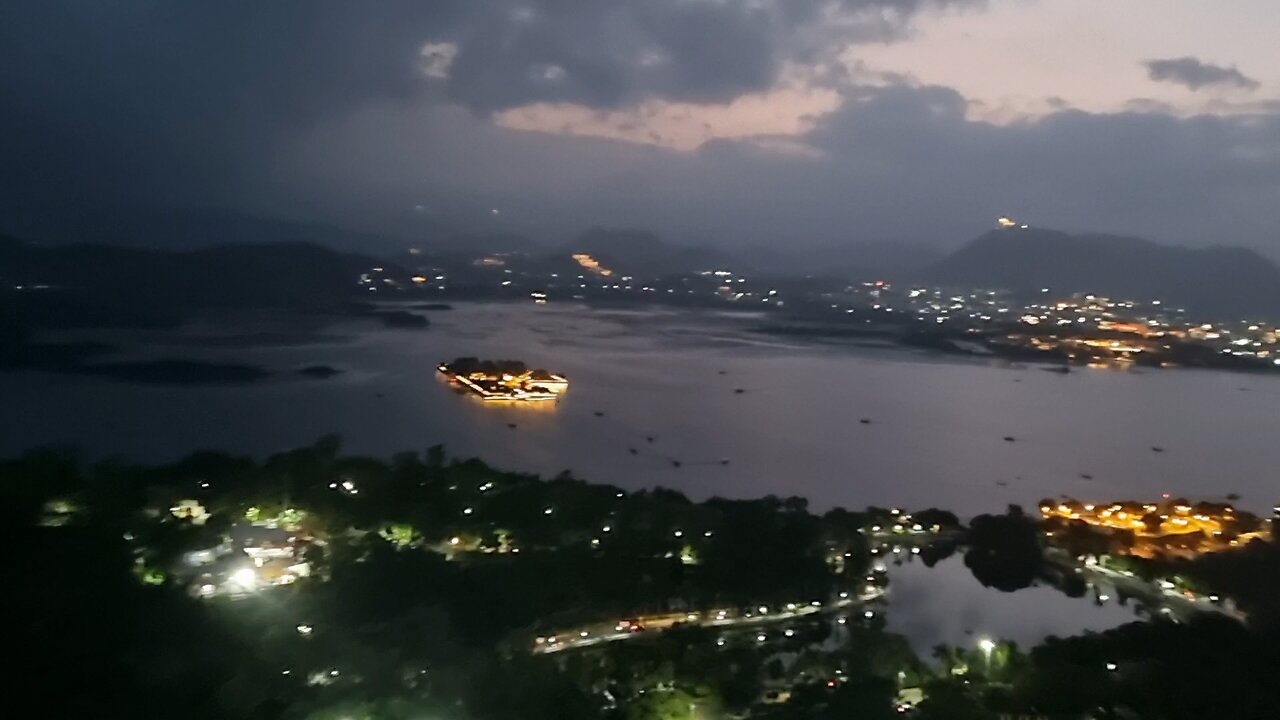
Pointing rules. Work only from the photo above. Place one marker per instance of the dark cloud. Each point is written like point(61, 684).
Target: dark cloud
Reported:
point(154, 101)
point(613, 53)
point(330, 110)
point(1148, 105)
point(1196, 74)
point(894, 163)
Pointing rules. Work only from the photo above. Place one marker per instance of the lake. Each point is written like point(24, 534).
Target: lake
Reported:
point(935, 437)
point(946, 604)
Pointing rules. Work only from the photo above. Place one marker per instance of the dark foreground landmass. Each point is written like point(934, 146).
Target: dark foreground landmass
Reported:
point(422, 587)
point(85, 359)
point(81, 358)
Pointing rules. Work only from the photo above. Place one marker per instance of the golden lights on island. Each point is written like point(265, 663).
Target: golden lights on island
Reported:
point(510, 380)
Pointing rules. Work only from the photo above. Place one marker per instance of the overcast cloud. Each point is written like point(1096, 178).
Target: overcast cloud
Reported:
point(1197, 74)
point(718, 120)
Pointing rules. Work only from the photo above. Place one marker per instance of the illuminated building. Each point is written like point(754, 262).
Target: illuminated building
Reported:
point(1165, 526)
point(504, 380)
point(591, 264)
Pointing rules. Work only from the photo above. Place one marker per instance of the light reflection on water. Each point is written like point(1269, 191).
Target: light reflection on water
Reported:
point(935, 436)
point(945, 604)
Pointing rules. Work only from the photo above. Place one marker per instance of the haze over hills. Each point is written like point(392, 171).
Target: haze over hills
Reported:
point(1221, 281)
point(193, 228)
point(640, 252)
point(1215, 282)
point(109, 283)
point(852, 259)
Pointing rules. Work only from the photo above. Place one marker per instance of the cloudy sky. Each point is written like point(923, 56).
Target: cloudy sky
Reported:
point(755, 121)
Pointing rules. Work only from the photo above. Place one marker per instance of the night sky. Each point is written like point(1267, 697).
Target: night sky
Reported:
point(763, 121)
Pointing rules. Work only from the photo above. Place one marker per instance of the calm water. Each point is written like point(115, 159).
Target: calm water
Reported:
point(936, 436)
point(945, 604)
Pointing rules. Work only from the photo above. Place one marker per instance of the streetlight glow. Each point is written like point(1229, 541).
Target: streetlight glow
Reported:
point(245, 578)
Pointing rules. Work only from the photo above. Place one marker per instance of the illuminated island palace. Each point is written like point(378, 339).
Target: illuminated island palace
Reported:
point(504, 380)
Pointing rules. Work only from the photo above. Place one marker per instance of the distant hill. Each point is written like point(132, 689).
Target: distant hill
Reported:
point(476, 244)
point(188, 229)
point(850, 259)
point(1218, 282)
point(204, 228)
point(640, 252)
point(108, 283)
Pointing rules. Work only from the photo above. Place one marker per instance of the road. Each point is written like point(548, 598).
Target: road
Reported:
point(605, 632)
point(1171, 602)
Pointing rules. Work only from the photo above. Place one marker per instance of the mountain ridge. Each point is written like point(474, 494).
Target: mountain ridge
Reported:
point(1217, 280)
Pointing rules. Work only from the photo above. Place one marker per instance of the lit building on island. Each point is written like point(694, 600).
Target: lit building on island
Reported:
point(504, 380)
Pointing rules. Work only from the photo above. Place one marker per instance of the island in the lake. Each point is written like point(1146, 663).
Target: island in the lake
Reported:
point(504, 380)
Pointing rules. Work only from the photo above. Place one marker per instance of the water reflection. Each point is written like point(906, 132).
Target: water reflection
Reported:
point(946, 604)
point(934, 436)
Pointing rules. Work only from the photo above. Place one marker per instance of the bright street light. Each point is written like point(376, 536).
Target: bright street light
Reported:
point(245, 578)
point(987, 645)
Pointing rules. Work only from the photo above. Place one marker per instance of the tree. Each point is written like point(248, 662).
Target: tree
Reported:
point(400, 535)
point(1004, 550)
point(933, 516)
point(864, 698)
point(655, 704)
point(952, 659)
point(950, 699)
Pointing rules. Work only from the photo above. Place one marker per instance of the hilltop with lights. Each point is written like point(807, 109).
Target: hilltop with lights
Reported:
point(1213, 282)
